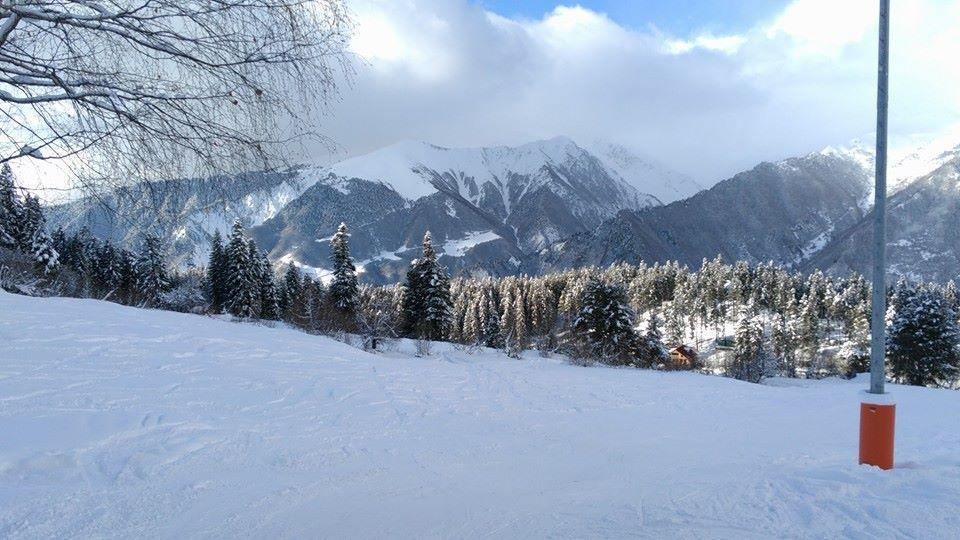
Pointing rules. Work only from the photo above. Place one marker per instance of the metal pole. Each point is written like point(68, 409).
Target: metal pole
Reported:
point(877, 324)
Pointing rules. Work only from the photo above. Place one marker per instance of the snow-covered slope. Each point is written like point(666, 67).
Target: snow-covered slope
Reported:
point(185, 213)
point(118, 422)
point(780, 212)
point(645, 174)
point(515, 199)
point(413, 169)
point(907, 166)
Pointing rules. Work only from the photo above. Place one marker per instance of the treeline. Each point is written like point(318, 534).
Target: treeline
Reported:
point(750, 321)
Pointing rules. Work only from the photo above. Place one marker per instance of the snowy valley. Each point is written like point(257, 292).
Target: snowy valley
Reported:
point(133, 422)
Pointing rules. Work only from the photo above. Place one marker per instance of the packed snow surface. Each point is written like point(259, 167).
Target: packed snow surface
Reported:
point(119, 422)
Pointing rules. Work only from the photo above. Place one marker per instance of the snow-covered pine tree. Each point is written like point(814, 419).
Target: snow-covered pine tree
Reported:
point(316, 305)
point(241, 284)
point(344, 288)
point(653, 353)
point(509, 316)
point(750, 360)
point(807, 336)
point(266, 287)
point(127, 284)
point(289, 293)
point(151, 271)
point(854, 353)
point(106, 271)
point(34, 240)
point(521, 337)
point(216, 280)
point(674, 327)
point(45, 257)
point(923, 339)
point(426, 302)
point(492, 336)
point(951, 295)
point(474, 312)
point(11, 210)
point(605, 324)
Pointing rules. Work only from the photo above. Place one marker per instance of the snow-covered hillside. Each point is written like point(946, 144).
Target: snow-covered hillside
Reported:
point(645, 174)
point(413, 169)
point(121, 422)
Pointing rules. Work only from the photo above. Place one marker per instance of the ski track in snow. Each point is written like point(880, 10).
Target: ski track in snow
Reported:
point(123, 422)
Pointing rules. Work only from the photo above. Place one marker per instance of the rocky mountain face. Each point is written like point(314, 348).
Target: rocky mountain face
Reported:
point(551, 205)
point(184, 213)
point(487, 208)
point(781, 211)
point(923, 218)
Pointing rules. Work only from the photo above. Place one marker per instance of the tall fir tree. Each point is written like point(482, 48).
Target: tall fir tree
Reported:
point(807, 336)
point(216, 280)
point(854, 353)
point(151, 271)
point(266, 290)
point(291, 289)
point(653, 353)
point(923, 339)
point(426, 300)
point(45, 256)
point(605, 324)
point(750, 360)
point(11, 211)
point(344, 288)
point(241, 284)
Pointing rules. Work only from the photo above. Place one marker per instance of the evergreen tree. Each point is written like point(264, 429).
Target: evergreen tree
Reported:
point(151, 271)
point(807, 336)
point(290, 291)
point(750, 360)
point(426, 300)
point(45, 257)
point(216, 281)
point(31, 222)
point(855, 351)
point(127, 288)
point(605, 324)
point(267, 290)
point(11, 211)
point(344, 288)
point(653, 353)
point(492, 336)
point(513, 317)
point(32, 238)
point(241, 283)
point(923, 338)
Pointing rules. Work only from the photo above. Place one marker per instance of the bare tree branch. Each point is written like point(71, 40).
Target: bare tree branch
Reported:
point(134, 90)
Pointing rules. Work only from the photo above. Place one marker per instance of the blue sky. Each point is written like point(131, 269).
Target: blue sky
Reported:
point(678, 17)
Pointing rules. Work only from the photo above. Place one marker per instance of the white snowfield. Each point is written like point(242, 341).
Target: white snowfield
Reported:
point(120, 422)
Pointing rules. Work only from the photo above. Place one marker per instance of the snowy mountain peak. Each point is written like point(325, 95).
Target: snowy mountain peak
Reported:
point(413, 168)
point(854, 150)
point(645, 175)
point(925, 158)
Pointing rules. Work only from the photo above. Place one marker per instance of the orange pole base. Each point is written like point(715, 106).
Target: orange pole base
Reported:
point(876, 434)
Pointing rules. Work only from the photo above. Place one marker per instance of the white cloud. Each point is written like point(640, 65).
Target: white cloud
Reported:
point(709, 42)
point(449, 72)
point(825, 26)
